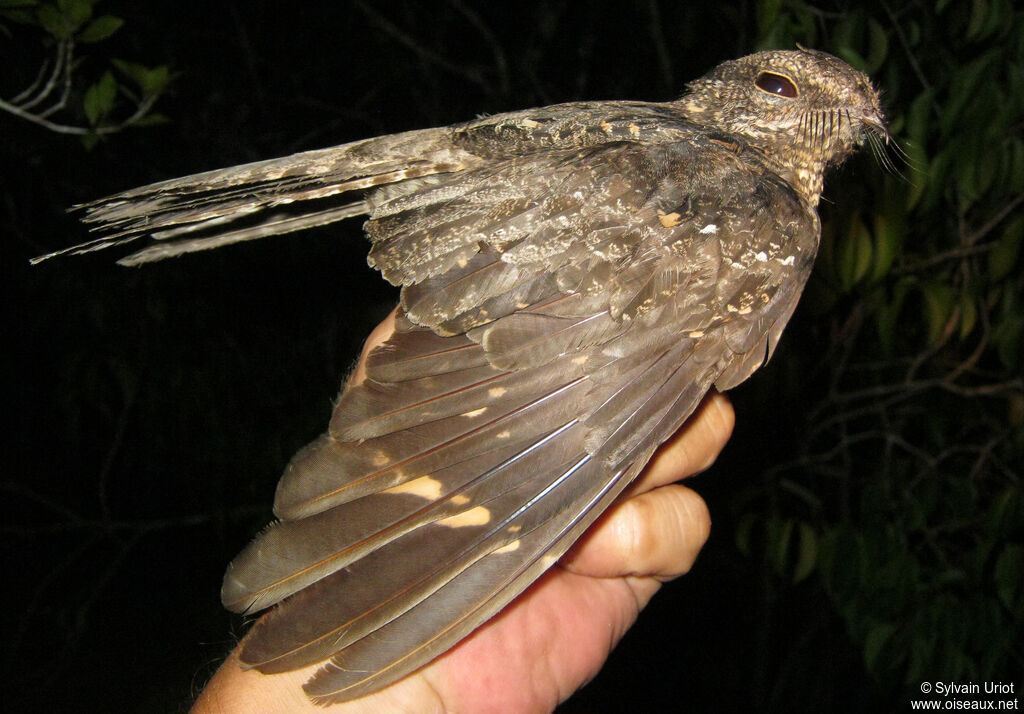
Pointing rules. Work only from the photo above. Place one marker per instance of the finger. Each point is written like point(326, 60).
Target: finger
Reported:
point(236, 690)
point(693, 448)
point(658, 533)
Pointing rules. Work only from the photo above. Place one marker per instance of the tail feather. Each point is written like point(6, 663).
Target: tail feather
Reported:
point(207, 201)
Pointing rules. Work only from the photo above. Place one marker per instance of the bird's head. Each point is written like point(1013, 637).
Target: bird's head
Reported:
point(804, 109)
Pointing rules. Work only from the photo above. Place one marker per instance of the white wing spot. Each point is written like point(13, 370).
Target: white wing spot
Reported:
point(478, 516)
point(495, 392)
point(709, 228)
point(381, 459)
point(510, 548)
point(474, 413)
point(761, 257)
point(503, 434)
point(424, 487)
point(788, 261)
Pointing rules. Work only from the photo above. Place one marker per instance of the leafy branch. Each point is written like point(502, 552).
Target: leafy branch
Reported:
point(56, 93)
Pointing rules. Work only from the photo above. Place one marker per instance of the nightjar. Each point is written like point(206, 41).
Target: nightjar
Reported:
point(574, 279)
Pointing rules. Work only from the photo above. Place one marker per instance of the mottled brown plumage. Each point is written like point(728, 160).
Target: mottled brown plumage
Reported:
point(574, 279)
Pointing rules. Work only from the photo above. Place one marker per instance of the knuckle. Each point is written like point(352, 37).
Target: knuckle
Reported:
point(637, 540)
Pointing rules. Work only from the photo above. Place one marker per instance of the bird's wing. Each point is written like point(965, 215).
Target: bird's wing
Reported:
point(316, 188)
point(563, 312)
point(216, 208)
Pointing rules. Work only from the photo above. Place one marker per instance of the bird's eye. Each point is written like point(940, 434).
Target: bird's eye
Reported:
point(776, 84)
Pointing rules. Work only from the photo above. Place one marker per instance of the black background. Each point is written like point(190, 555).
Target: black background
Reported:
point(153, 409)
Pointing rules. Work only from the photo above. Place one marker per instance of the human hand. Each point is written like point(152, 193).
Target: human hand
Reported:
point(556, 635)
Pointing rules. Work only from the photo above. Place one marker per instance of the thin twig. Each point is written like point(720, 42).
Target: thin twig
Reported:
point(62, 63)
point(140, 111)
point(911, 57)
point(954, 254)
point(989, 225)
point(500, 60)
point(428, 55)
point(31, 89)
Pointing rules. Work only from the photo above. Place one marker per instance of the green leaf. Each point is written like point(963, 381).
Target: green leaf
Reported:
point(744, 531)
point(963, 90)
point(21, 17)
point(1013, 179)
point(979, 13)
point(807, 555)
point(919, 117)
point(1015, 80)
point(986, 166)
point(99, 98)
point(100, 29)
point(152, 119)
point(888, 236)
point(1004, 513)
point(1009, 339)
point(52, 20)
point(155, 80)
point(150, 80)
point(853, 57)
point(938, 308)
point(878, 45)
point(1003, 258)
point(889, 316)
point(917, 161)
point(1009, 576)
point(779, 534)
point(133, 70)
point(922, 647)
point(768, 14)
point(913, 33)
point(934, 190)
point(89, 141)
point(877, 636)
point(76, 12)
point(1001, 16)
point(855, 254)
point(968, 315)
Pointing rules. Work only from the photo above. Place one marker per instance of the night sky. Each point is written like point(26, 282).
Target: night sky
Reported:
point(154, 408)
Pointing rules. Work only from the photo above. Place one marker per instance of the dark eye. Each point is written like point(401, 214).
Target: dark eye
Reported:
point(777, 84)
